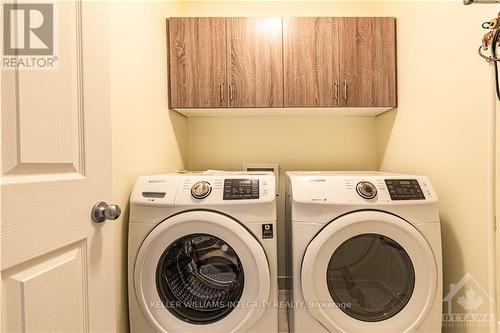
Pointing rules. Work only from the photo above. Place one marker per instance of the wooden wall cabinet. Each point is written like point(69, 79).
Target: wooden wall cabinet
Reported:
point(311, 62)
point(225, 62)
point(367, 51)
point(255, 70)
point(270, 62)
point(347, 61)
point(197, 62)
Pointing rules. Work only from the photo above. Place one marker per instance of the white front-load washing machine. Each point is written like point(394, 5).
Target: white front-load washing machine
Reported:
point(203, 253)
point(365, 253)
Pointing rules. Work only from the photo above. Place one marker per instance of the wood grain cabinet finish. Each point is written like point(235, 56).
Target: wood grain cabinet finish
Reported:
point(255, 68)
point(367, 48)
point(197, 59)
point(311, 65)
point(265, 62)
point(347, 62)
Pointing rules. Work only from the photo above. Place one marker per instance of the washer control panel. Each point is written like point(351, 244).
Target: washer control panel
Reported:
point(211, 188)
point(241, 188)
point(404, 189)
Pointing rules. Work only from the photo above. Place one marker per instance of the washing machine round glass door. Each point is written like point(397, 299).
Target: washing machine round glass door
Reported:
point(369, 271)
point(201, 271)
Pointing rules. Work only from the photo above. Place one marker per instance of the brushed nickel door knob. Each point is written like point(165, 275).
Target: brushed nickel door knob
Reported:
point(102, 212)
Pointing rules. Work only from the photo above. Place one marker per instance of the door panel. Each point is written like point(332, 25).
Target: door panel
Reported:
point(197, 56)
point(57, 265)
point(50, 108)
point(256, 67)
point(310, 54)
point(57, 280)
point(43, 131)
point(368, 61)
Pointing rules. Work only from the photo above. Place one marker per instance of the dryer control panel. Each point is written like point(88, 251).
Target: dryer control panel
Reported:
point(358, 188)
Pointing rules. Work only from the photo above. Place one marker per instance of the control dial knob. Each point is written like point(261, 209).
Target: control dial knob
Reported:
point(366, 190)
point(201, 189)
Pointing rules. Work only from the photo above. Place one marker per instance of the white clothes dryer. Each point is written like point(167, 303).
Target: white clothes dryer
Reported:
point(203, 253)
point(365, 253)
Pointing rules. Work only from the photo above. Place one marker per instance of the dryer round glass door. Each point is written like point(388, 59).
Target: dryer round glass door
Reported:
point(369, 271)
point(370, 277)
point(201, 271)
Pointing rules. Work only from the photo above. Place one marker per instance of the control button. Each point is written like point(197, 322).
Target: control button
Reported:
point(201, 190)
point(366, 190)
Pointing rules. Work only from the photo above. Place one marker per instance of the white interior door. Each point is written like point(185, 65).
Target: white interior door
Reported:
point(56, 264)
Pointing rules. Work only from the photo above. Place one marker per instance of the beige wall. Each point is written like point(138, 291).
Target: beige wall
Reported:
point(146, 137)
point(317, 143)
point(439, 128)
point(298, 143)
point(497, 201)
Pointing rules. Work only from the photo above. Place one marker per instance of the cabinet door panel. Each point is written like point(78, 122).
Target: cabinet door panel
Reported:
point(310, 51)
point(368, 61)
point(256, 66)
point(197, 56)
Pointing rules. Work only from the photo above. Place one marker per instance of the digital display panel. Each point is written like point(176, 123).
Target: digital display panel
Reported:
point(404, 189)
point(238, 189)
